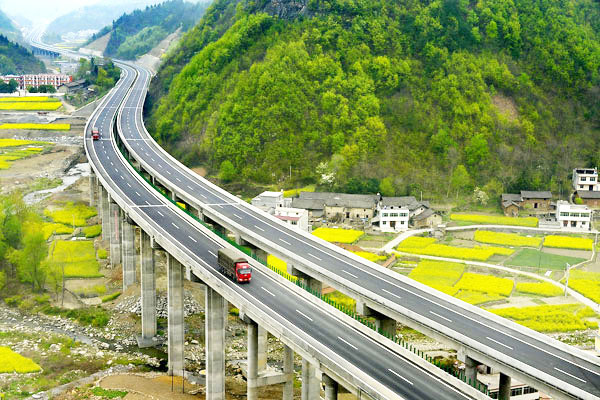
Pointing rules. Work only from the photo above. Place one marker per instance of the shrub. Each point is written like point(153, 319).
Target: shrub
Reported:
point(72, 214)
point(102, 254)
point(13, 301)
point(507, 239)
point(485, 284)
point(548, 318)
point(234, 311)
point(14, 362)
point(92, 231)
point(495, 219)
point(416, 242)
point(110, 297)
point(568, 242)
point(540, 288)
point(338, 235)
point(42, 299)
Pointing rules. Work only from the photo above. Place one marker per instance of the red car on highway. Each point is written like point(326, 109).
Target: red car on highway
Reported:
point(95, 133)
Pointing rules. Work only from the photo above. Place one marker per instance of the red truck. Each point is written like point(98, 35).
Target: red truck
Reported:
point(234, 266)
point(95, 133)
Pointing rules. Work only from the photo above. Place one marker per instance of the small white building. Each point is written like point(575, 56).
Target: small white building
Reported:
point(394, 220)
point(296, 217)
point(269, 201)
point(573, 216)
point(586, 179)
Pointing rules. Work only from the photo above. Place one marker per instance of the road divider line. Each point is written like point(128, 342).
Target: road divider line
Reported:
point(400, 376)
point(192, 239)
point(288, 243)
point(572, 376)
point(313, 256)
point(172, 223)
point(441, 316)
point(304, 315)
point(257, 227)
point(390, 293)
point(348, 343)
point(267, 291)
point(497, 342)
point(348, 273)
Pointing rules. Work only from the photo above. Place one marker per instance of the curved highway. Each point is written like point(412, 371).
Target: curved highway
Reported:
point(309, 323)
point(562, 367)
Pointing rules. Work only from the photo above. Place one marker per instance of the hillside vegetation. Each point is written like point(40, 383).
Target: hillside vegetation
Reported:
point(382, 95)
point(8, 28)
point(136, 33)
point(16, 59)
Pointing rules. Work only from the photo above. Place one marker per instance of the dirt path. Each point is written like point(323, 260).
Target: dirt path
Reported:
point(145, 388)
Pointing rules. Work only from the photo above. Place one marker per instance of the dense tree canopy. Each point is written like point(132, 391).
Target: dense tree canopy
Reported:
point(398, 96)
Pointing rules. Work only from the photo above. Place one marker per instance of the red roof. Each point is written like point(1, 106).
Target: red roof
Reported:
point(286, 218)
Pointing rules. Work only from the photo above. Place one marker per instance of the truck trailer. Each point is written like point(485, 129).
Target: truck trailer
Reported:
point(234, 266)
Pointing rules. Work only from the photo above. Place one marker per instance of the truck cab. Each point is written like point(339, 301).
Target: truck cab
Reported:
point(95, 133)
point(234, 266)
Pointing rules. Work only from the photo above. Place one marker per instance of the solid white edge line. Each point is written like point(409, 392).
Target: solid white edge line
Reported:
point(572, 376)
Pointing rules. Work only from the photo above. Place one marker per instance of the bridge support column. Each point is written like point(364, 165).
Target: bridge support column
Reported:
point(470, 370)
point(104, 200)
point(331, 388)
point(93, 185)
point(384, 325)
point(197, 212)
point(148, 300)
point(263, 344)
point(504, 387)
point(310, 386)
point(252, 374)
point(175, 316)
point(215, 345)
point(115, 233)
point(313, 284)
point(288, 370)
point(128, 253)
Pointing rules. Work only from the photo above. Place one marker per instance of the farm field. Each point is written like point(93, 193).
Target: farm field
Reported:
point(550, 318)
point(545, 289)
point(49, 228)
point(27, 99)
point(586, 283)
point(485, 284)
point(31, 105)
point(507, 239)
point(338, 235)
point(538, 259)
point(79, 258)
point(72, 214)
point(8, 157)
point(14, 362)
point(49, 127)
point(439, 275)
point(568, 242)
point(478, 253)
point(370, 256)
point(495, 219)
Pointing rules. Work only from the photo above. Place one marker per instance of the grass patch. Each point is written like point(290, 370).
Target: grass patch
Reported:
point(541, 260)
point(14, 362)
point(507, 239)
point(78, 258)
point(485, 283)
point(110, 297)
point(44, 183)
point(296, 192)
point(550, 318)
point(495, 219)
point(41, 127)
point(94, 316)
point(439, 275)
point(49, 228)
point(545, 289)
point(91, 291)
point(338, 235)
point(102, 254)
point(72, 214)
point(30, 105)
point(568, 242)
point(586, 283)
point(370, 256)
point(92, 231)
point(108, 393)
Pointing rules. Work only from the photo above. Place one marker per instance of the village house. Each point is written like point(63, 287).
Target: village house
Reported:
point(269, 201)
point(590, 198)
point(297, 218)
point(573, 216)
point(427, 219)
point(586, 179)
point(338, 206)
point(393, 213)
point(532, 201)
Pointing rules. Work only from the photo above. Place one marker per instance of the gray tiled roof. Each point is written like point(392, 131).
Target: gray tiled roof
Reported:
point(526, 194)
point(308, 204)
point(588, 194)
point(425, 214)
point(398, 201)
point(510, 197)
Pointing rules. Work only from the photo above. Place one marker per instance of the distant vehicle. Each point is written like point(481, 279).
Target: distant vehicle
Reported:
point(234, 266)
point(42, 112)
point(95, 133)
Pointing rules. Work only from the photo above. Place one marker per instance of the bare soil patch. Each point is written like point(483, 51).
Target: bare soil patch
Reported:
point(506, 106)
point(568, 252)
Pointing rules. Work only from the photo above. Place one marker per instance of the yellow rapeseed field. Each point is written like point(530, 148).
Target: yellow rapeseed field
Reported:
point(485, 284)
point(47, 127)
point(27, 99)
point(507, 239)
point(495, 219)
point(338, 235)
point(568, 242)
point(550, 318)
point(8, 157)
point(60, 229)
point(14, 362)
point(370, 256)
point(586, 283)
point(17, 142)
point(31, 106)
point(79, 258)
point(72, 214)
point(475, 298)
point(540, 288)
point(296, 192)
point(279, 265)
point(439, 275)
point(461, 253)
point(416, 242)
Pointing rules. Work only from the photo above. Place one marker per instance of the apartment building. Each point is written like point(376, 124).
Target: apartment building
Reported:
point(586, 179)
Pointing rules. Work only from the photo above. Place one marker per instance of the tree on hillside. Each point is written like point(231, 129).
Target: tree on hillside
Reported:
point(29, 260)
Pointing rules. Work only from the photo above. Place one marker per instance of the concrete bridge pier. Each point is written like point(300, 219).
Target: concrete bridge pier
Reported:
point(93, 187)
point(331, 388)
point(175, 319)
point(252, 374)
point(315, 285)
point(128, 252)
point(504, 387)
point(148, 278)
point(104, 200)
point(114, 217)
point(288, 370)
point(384, 324)
point(215, 345)
point(470, 370)
point(311, 389)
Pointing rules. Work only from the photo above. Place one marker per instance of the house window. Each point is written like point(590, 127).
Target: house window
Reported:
point(535, 205)
point(294, 222)
point(401, 222)
point(516, 392)
point(585, 215)
point(384, 214)
point(403, 214)
point(592, 179)
point(580, 186)
point(384, 222)
point(573, 224)
point(574, 214)
point(583, 179)
point(564, 214)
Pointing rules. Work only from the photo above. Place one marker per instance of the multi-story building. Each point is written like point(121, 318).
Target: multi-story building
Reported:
point(296, 217)
point(269, 201)
point(573, 216)
point(38, 80)
point(586, 179)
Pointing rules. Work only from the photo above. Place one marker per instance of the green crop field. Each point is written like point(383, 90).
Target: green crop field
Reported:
point(79, 258)
point(545, 261)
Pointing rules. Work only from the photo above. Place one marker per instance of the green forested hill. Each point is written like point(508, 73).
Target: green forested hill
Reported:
point(136, 33)
point(16, 59)
point(404, 96)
